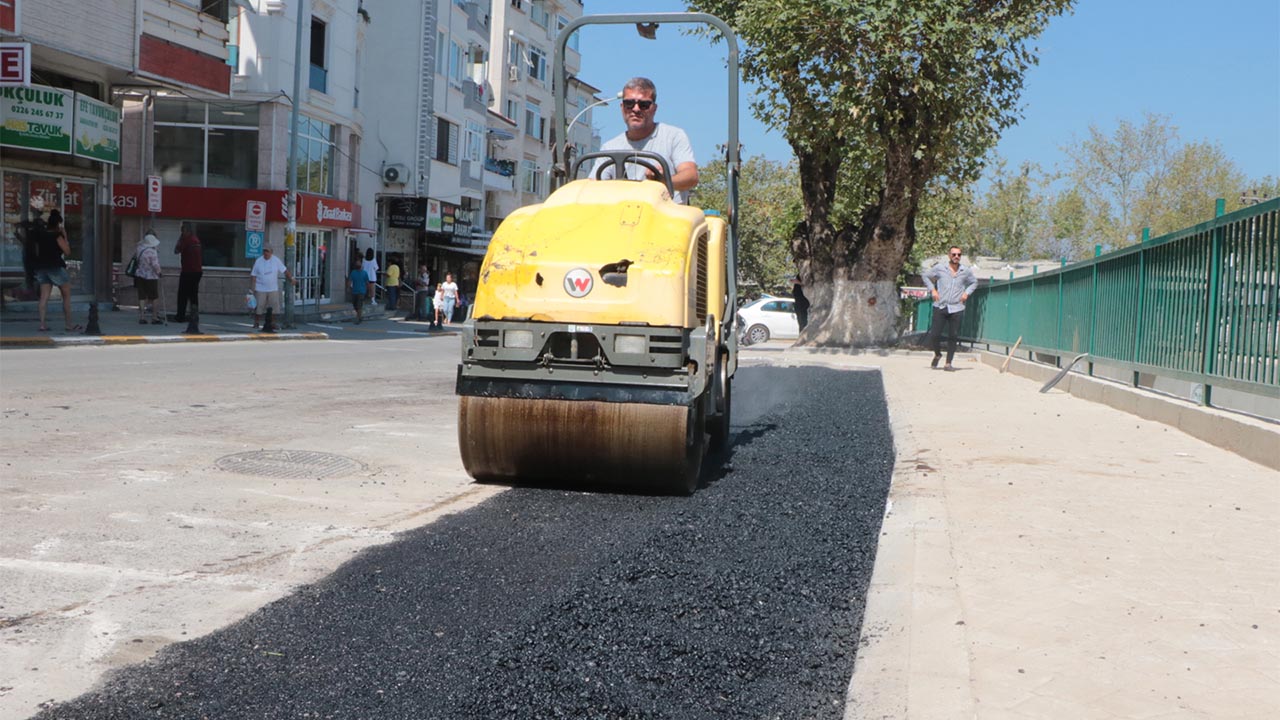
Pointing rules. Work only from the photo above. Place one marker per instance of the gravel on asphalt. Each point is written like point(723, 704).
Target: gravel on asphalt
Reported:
point(742, 601)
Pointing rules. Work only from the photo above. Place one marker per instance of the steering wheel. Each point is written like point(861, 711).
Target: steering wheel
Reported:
point(651, 161)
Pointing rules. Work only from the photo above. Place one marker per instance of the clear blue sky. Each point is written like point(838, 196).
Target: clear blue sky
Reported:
point(1213, 68)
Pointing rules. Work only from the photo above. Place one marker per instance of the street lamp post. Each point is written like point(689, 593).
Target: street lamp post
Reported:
point(291, 226)
point(569, 128)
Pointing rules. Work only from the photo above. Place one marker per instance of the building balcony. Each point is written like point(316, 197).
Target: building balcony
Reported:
point(498, 181)
point(473, 97)
point(470, 175)
point(477, 18)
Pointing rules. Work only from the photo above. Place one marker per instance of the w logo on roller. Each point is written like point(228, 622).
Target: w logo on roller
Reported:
point(578, 282)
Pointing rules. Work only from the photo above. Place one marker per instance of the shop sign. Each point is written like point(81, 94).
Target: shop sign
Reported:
point(15, 63)
point(97, 130)
point(198, 203)
point(317, 210)
point(447, 213)
point(408, 213)
point(462, 222)
point(434, 221)
point(37, 117)
point(10, 12)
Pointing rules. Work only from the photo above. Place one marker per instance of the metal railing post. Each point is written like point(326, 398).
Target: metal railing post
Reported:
point(1057, 342)
point(1211, 307)
point(1142, 297)
point(1008, 313)
point(1093, 307)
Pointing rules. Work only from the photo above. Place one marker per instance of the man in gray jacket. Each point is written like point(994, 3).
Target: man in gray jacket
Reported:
point(951, 284)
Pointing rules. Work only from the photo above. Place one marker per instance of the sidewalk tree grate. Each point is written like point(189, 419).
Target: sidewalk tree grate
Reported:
point(289, 464)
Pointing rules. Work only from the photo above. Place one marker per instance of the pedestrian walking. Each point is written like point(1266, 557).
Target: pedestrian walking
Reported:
point(50, 269)
point(801, 304)
point(393, 286)
point(266, 283)
point(450, 297)
point(370, 266)
point(438, 303)
point(951, 283)
point(358, 284)
point(147, 279)
point(192, 270)
point(422, 294)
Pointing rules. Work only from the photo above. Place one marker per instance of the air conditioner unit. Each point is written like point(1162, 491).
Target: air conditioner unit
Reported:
point(395, 174)
point(513, 72)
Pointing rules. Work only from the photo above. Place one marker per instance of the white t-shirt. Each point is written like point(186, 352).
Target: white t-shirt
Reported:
point(668, 141)
point(370, 269)
point(450, 290)
point(266, 274)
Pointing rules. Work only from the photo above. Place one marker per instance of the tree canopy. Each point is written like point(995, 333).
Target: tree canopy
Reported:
point(877, 98)
point(768, 208)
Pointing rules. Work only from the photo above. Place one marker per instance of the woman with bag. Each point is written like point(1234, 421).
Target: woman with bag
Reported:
point(147, 277)
point(51, 269)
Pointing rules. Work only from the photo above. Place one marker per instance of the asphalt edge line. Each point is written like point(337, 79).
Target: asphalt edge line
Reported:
point(913, 647)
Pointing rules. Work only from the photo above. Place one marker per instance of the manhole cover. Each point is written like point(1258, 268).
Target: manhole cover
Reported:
point(294, 464)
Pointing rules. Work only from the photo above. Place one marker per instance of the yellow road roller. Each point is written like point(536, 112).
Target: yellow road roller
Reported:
point(601, 344)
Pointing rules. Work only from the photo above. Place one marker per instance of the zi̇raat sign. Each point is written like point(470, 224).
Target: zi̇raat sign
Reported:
point(60, 121)
point(97, 130)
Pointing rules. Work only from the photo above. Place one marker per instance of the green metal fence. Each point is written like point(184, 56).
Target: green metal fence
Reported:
point(1201, 304)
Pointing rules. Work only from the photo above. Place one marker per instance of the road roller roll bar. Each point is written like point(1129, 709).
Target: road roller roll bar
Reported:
point(648, 22)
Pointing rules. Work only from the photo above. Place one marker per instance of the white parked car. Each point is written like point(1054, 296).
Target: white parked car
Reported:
point(768, 317)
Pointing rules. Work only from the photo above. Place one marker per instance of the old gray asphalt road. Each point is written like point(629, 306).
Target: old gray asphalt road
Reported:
point(743, 601)
point(122, 528)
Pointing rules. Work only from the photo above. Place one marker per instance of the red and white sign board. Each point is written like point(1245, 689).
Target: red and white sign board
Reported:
point(10, 13)
point(15, 64)
point(153, 193)
point(255, 216)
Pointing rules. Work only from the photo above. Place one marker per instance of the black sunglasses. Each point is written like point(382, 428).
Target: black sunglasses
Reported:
point(630, 103)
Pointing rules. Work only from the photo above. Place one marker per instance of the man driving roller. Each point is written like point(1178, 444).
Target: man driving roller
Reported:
point(639, 105)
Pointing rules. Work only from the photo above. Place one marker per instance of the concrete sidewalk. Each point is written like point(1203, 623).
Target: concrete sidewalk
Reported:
point(122, 328)
point(1045, 556)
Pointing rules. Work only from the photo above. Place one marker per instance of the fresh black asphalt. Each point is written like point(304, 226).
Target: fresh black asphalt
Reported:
point(742, 601)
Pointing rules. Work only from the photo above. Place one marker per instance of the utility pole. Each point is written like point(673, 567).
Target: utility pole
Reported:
point(291, 226)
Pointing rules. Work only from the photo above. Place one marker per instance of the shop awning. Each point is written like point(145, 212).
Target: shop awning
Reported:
point(459, 249)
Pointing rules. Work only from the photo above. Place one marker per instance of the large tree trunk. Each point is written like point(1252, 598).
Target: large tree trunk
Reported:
point(850, 275)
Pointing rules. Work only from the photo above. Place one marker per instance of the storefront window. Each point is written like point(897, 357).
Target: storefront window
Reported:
point(223, 244)
point(206, 145)
point(30, 197)
point(180, 155)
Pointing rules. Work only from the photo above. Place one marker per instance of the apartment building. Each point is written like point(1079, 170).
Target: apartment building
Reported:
point(223, 159)
point(181, 114)
point(525, 31)
point(61, 144)
point(467, 139)
point(425, 74)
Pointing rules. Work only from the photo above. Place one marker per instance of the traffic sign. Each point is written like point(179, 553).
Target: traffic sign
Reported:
point(253, 244)
point(153, 193)
point(255, 215)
